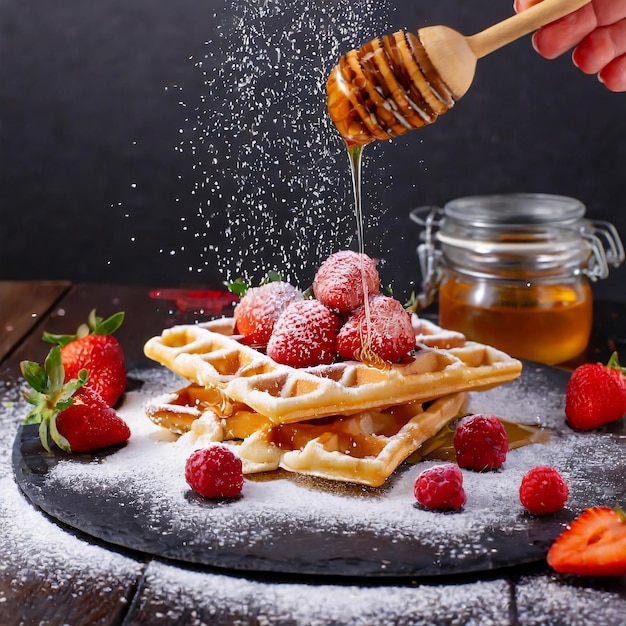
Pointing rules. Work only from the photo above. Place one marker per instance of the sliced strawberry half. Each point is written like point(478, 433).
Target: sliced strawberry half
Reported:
point(593, 545)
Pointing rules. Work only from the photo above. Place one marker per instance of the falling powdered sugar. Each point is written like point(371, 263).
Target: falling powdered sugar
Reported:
point(269, 175)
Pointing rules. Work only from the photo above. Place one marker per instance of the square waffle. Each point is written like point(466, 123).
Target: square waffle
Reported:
point(211, 356)
point(364, 448)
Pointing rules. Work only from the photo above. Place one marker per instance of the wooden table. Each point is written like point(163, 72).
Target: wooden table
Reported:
point(53, 576)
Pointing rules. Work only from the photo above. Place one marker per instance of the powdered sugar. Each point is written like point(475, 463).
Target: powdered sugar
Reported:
point(236, 600)
point(35, 549)
point(148, 475)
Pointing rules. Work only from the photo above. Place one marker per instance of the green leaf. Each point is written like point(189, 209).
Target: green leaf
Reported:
point(238, 287)
point(95, 326)
point(57, 437)
point(61, 340)
point(108, 326)
point(411, 303)
point(93, 320)
point(272, 277)
point(34, 375)
point(615, 364)
point(35, 416)
point(34, 397)
point(54, 369)
point(43, 435)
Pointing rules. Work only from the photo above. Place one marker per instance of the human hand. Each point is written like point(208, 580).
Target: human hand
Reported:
point(597, 32)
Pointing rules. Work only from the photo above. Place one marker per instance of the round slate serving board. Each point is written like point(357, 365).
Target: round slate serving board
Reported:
point(135, 497)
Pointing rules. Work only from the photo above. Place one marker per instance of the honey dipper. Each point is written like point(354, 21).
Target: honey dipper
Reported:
point(404, 81)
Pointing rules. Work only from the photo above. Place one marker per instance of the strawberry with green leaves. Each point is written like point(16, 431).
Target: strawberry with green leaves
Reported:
point(596, 394)
point(594, 544)
point(95, 349)
point(71, 414)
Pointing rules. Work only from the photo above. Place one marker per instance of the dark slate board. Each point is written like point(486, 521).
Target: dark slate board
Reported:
point(115, 517)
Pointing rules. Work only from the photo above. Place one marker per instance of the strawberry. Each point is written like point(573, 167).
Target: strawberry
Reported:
point(257, 312)
point(338, 282)
point(304, 335)
point(596, 394)
point(71, 414)
point(390, 332)
point(94, 349)
point(594, 544)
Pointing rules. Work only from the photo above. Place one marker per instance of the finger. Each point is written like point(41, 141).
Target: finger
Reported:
point(613, 75)
point(522, 5)
point(600, 47)
point(556, 38)
point(609, 12)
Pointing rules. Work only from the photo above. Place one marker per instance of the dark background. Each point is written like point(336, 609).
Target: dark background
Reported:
point(119, 120)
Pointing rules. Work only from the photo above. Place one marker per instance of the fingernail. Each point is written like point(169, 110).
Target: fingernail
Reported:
point(533, 41)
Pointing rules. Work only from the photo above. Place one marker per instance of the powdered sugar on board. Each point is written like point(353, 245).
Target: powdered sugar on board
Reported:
point(140, 499)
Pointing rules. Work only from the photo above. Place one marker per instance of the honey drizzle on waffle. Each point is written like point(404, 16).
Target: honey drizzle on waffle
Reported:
point(211, 356)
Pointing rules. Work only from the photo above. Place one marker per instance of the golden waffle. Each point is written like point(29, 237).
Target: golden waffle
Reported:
point(364, 448)
point(179, 411)
point(211, 356)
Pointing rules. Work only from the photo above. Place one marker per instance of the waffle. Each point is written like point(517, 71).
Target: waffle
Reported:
point(205, 410)
point(364, 448)
point(384, 89)
point(209, 355)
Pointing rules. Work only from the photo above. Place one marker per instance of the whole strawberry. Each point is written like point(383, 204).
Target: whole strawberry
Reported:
point(95, 349)
point(339, 280)
point(74, 416)
point(389, 334)
point(260, 307)
point(596, 394)
point(304, 335)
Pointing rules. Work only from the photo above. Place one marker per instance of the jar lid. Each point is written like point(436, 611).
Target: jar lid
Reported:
point(514, 210)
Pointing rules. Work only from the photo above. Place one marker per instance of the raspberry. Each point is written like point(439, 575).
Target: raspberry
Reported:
point(543, 490)
point(338, 282)
point(214, 472)
point(257, 312)
point(480, 442)
point(391, 332)
point(440, 488)
point(304, 335)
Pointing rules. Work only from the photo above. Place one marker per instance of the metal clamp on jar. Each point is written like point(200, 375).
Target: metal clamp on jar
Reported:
point(513, 271)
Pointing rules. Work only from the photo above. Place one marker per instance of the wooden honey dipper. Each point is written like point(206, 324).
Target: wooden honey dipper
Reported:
point(404, 81)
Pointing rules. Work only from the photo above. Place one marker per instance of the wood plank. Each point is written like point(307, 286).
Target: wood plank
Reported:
point(22, 305)
point(145, 316)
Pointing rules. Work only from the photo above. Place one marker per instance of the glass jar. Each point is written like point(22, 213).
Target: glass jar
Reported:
point(513, 271)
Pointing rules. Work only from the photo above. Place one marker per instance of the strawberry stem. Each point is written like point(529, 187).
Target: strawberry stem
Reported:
point(614, 363)
point(95, 326)
point(49, 395)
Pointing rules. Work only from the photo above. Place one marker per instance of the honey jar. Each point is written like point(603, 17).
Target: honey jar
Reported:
point(513, 271)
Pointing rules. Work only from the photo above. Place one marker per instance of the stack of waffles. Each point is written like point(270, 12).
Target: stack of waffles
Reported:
point(347, 421)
